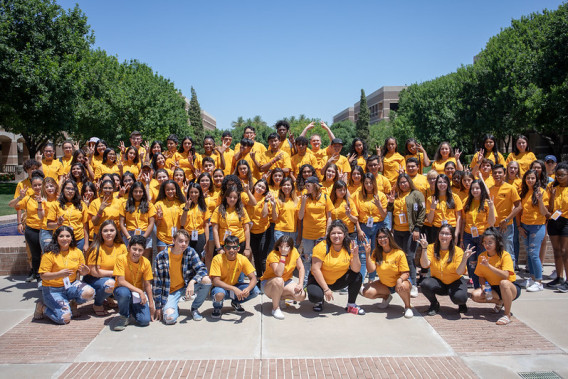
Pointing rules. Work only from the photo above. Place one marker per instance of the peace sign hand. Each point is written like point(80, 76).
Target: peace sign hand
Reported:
point(391, 196)
point(423, 241)
point(468, 252)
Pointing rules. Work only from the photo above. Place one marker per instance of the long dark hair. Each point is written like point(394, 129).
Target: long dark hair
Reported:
point(136, 159)
point(516, 149)
point(300, 181)
point(495, 147)
point(385, 149)
point(130, 205)
point(200, 199)
point(379, 249)
point(346, 240)
point(99, 241)
point(239, 208)
point(92, 187)
point(360, 170)
point(103, 184)
point(211, 184)
point(337, 185)
point(192, 150)
point(282, 196)
point(438, 156)
point(76, 200)
point(83, 177)
point(482, 198)
point(451, 247)
point(499, 243)
point(525, 188)
point(541, 179)
point(283, 240)
point(559, 166)
point(106, 153)
point(230, 181)
point(449, 195)
point(154, 161)
point(243, 162)
point(408, 178)
point(100, 142)
point(53, 246)
point(271, 178)
point(373, 181)
point(364, 154)
point(162, 194)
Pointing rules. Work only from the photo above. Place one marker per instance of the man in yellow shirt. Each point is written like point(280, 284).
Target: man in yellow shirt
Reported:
point(286, 142)
point(133, 290)
point(303, 156)
point(419, 180)
point(273, 157)
point(315, 141)
point(334, 156)
point(225, 274)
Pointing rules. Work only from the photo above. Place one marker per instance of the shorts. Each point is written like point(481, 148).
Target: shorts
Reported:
point(263, 283)
point(392, 289)
point(558, 227)
point(498, 290)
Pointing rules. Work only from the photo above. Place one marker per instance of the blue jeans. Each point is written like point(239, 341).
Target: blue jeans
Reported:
point(478, 248)
point(45, 237)
point(278, 234)
point(56, 300)
point(371, 234)
point(103, 287)
point(141, 313)
point(388, 221)
point(230, 294)
point(308, 248)
point(533, 240)
point(81, 244)
point(508, 239)
point(516, 246)
point(201, 291)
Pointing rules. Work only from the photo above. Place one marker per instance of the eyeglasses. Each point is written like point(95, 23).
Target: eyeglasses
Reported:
point(232, 247)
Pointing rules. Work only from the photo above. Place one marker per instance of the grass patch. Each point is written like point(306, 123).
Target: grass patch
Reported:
point(4, 208)
point(8, 188)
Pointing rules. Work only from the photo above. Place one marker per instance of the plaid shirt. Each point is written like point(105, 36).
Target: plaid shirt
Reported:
point(191, 267)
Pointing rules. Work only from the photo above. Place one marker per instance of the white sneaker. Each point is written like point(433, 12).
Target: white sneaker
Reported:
point(408, 313)
point(385, 303)
point(277, 313)
point(414, 291)
point(529, 282)
point(553, 275)
point(535, 287)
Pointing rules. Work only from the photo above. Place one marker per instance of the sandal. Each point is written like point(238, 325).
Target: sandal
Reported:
point(498, 307)
point(505, 320)
point(100, 310)
point(111, 303)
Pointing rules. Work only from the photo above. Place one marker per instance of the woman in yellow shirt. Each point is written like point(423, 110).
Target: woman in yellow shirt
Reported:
point(447, 263)
point(101, 257)
point(479, 214)
point(390, 263)
point(60, 266)
point(137, 216)
point(33, 205)
point(315, 214)
point(495, 266)
point(558, 225)
point(159, 163)
point(71, 211)
point(108, 164)
point(275, 180)
point(330, 177)
point(444, 207)
point(358, 155)
point(489, 151)
point(153, 187)
point(49, 194)
point(305, 172)
point(96, 158)
point(393, 162)
point(276, 282)
point(106, 207)
point(356, 180)
point(521, 154)
point(178, 176)
point(465, 183)
point(335, 265)
point(130, 162)
point(169, 205)
point(78, 174)
point(260, 215)
point(195, 218)
point(243, 171)
point(444, 154)
point(534, 200)
point(287, 209)
point(188, 157)
point(345, 210)
point(415, 150)
point(51, 167)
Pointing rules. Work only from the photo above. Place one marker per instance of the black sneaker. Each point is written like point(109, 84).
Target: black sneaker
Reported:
point(563, 287)
point(555, 283)
point(237, 307)
point(318, 307)
point(462, 308)
point(31, 276)
point(216, 313)
point(434, 309)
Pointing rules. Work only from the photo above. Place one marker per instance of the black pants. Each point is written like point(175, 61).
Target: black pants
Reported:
point(198, 245)
point(32, 239)
point(260, 244)
point(404, 240)
point(434, 286)
point(352, 280)
point(431, 233)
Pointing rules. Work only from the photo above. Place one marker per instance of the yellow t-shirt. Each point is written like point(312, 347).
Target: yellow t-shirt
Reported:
point(362, 162)
point(228, 155)
point(315, 217)
point(131, 167)
point(106, 169)
point(289, 266)
point(137, 220)
point(392, 163)
point(176, 275)
point(399, 214)
point(326, 187)
point(342, 163)
point(196, 220)
point(298, 161)
point(268, 155)
point(107, 256)
point(339, 212)
point(134, 273)
point(30, 205)
point(383, 184)
point(111, 212)
point(561, 201)
point(216, 159)
point(334, 264)
point(491, 157)
point(438, 165)
point(285, 146)
point(258, 149)
point(287, 215)
point(441, 269)
point(420, 158)
point(354, 188)
point(524, 159)
point(49, 207)
point(475, 218)
point(421, 184)
point(51, 262)
point(392, 266)
point(443, 212)
point(259, 224)
point(230, 224)
point(66, 162)
point(366, 206)
point(505, 196)
point(321, 159)
point(531, 213)
point(504, 263)
point(52, 169)
point(72, 217)
point(171, 210)
point(229, 271)
point(21, 185)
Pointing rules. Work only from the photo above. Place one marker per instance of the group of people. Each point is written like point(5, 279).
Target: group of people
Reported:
point(143, 227)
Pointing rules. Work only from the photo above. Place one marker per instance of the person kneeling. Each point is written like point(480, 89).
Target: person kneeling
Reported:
point(277, 279)
point(133, 290)
point(391, 265)
point(58, 271)
point(335, 265)
point(179, 272)
point(225, 271)
point(495, 266)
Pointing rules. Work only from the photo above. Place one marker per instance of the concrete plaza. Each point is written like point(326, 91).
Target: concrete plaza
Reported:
point(306, 344)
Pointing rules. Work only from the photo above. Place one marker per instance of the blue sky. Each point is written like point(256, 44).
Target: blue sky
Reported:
point(306, 57)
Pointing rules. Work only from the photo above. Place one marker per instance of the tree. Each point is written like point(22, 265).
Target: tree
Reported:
point(364, 119)
point(195, 118)
point(261, 127)
point(41, 49)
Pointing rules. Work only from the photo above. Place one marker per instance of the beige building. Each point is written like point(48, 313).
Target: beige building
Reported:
point(380, 103)
point(13, 152)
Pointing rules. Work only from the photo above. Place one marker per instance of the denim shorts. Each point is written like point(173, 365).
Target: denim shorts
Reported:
point(263, 283)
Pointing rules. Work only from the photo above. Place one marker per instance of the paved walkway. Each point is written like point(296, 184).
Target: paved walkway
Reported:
point(254, 345)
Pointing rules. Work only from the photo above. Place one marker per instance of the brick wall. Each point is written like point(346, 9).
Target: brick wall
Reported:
point(13, 260)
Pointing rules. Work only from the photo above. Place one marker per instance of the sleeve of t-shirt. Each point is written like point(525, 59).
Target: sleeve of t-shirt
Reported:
point(286, 162)
point(515, 195)
point(147, 273)
point(215, 216)
point(430, 253)
point(215, 266)
point(328, 204)
point(507, 263)
point(319, 251)
point(246, 218)
point(151, 210)
point(272, 258)
point(459, 204)
point(46, 263)
point(403, 263)
point(119, 266)
point(123, 209)
point(247, 267)
point(52, 213)
point(93, 208)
